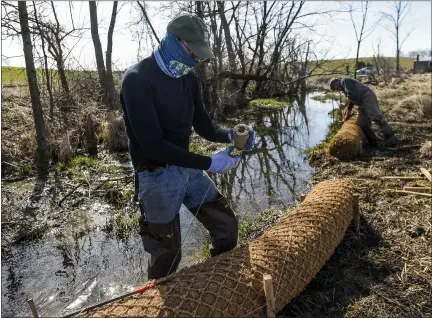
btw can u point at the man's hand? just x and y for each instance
(222, 162)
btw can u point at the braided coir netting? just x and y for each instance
(348, 142)
(230, 285)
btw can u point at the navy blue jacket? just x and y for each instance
(159, 113)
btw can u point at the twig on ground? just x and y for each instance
(69, 194)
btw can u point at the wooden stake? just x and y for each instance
(356, 216)
(402, 177)
(426, 173)
(32, 307)
(302, 197)
(410, 192)
(268, 292)
(418, 189)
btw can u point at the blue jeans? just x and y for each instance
(161, 194)
(163, 190)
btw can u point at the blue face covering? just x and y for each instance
(172, 57)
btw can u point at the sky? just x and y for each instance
(336, 35)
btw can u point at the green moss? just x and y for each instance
(111, 168)
(262, 129)
(124, 222)
(25, 170)
(326, 97)
(203, 147)
(250, 228)
(83, 162)
(268, 104)
(117, 195)
(205, 253)
(81, 167)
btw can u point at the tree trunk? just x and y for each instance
(45, 57)
(228, 41)
(91, 136)
(144, 12)
(228, 38)
(59, 56)
(99, 55)
(201, 68)
(357, 58)
(260, 42)
(62, 75)
(42, 151)
(109, 76)
(305, 69)
(397, 51)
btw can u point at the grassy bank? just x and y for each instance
(11, 75)
(340, 64)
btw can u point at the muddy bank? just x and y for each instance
(384, 271)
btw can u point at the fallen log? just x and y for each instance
(348, 141)
(231, 284)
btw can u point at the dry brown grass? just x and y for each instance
(426, 150)
(114, 133)
(66, 130)
(18, 134)
(413, 106)
(64, 149)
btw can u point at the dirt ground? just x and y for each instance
(385, 270)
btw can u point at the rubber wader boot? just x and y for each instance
(365, 124)
(163, 242)
(370, 135)
(390, 138)
(219, 219)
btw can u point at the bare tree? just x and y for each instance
(145, 15)
(361, 32)
(42, 151)
(45, 58)
(400, 11)
(106, 81)
(109, 74)
(382, 64)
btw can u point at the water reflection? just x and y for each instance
(78, 264)
(275, 172)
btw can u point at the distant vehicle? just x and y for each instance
(366, 71)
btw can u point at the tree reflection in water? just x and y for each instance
(275, 172)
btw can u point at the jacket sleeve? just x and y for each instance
(138, 98)
(202, 123)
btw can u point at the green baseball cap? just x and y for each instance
(193, 31)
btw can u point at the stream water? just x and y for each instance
(78, 264)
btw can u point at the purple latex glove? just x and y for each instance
(222, 162)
